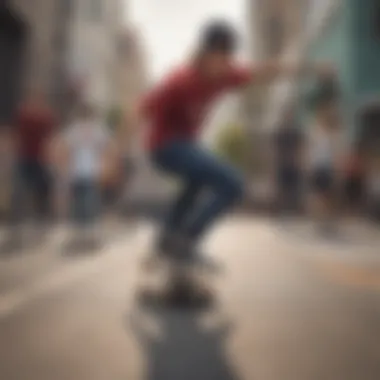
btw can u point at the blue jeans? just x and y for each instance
(211, 187)
(30, 178)
(85, 201)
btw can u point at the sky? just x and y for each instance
(170, 27)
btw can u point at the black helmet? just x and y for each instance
(219, 35)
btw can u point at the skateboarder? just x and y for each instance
(175, 110)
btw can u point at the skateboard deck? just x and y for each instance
(154, 262)
(176, 283)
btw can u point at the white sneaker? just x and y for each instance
(191, 254)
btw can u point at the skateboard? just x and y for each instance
(176, 283)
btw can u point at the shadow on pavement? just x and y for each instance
(10, 247)
(182, 347)
(339, 236)
(17, 244)
(74, 247)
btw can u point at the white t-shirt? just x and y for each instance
(324, 148)
(87, 141)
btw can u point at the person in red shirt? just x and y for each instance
(175, 110)
(32, 131)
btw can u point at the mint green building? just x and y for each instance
(349, 35)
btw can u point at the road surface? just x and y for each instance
(292, 306)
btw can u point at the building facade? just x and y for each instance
(283, 25)
(30, 49)
(274, 33)
(92, 54)
(348, 33)
(66, 49)
(132, 70)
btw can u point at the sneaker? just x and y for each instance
(11, 244)
(176, 247)
(191, 254)
(166, 245)
(184, 250)
(163, 248)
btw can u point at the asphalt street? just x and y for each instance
(291, 306)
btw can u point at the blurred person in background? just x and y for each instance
(111, 178)
(325, 148)
(288, 142)
(175, 110)
(111, 174)
(85, 148)
(6, 161)
(373, 188)
(32, 131)
(129, 147)
(354, 180)
(120, 170)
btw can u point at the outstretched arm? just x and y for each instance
(270, 70)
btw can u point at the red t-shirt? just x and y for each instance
(354, 166)
(32, 131)
(176, 108)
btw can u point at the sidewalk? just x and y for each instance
(281, 316)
